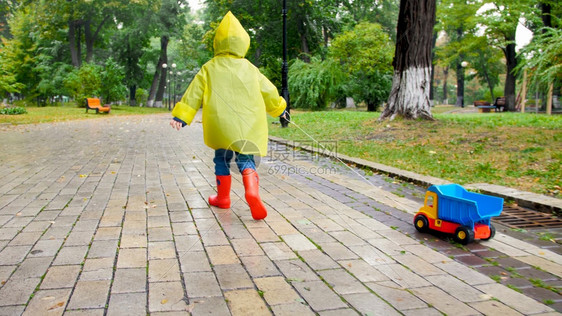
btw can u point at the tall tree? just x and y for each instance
(501, 22)
(457, 20)
(168, 21)
(409, 96)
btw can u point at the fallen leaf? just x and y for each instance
(18, 214)
(164, 301)
(59, 304)
(83, 175)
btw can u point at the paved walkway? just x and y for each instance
(109, 216)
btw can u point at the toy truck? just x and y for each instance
(452, 209)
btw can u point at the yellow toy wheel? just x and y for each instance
(421, 223)
(464, 235)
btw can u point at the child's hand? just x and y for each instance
(175, 124)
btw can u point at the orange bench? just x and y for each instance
(95, 104)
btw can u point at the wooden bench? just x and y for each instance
(95, 104)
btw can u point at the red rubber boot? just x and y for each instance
(251, 184)
(222, 199)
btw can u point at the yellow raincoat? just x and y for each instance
(234, 94)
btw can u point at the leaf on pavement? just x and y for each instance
(57, 305)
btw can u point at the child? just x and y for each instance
(235, 97)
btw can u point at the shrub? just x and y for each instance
(141, 97)
(84, 82)
(313, 85)
(365, 54)
(13, 110)
(112, 87)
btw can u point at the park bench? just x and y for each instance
(483, 106)
(500, 104)
(95, 104)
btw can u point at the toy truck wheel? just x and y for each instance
(464, 235)
(492, 232)
(421, 223)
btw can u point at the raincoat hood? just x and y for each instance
(231, 38)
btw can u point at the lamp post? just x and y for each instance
(172, 88)
(164, 66)
(285, 67)
(175, 86)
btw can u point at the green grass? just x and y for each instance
(71, 112)
(522, 151)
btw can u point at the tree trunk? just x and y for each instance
(445, 78)
(162, 84)
(158, 73)
(72, 42)
(91, 38)
(152, 91)
(132, 95)
(409, 96)
(460, 83)
(546, 10)
(89, 41)
(511, 61)
(305, 50)
(431, 85)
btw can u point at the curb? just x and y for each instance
(531, 200)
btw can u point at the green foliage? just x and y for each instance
(18, 53)
(313, 85)
(365, 54)
(13, 110)
(112, 87)
(543, 56)
(141, 97)
(84, 82)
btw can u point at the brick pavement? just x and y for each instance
(109, 216)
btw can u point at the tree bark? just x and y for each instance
(546, 10)
(409, 96)
(431, 84)
(305, 50)
(152, 91)
(163, 75)
(74, 43)
(445, 78)
(91, 38)
(132, 95)
(460, 83)
(511, 62)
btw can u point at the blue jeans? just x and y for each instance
(222, 161)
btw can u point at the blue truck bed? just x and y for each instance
(456, 204)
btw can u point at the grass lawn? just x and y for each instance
(522, 151)
(71, 112)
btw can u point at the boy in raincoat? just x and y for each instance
(235, 97)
